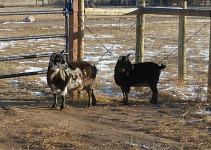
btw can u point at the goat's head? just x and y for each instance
(124, 65)
(57, 59)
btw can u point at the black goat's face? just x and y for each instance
(56, 59)
(124, 64)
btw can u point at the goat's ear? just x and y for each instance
(53, 56)
(62, 51)
(128, 55)
(120, 58)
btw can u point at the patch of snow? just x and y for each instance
(6, 29)
(195, 121)
(5, 23)
(6, 44)
(38, 93)
(206, 111)
(43, 79)
(109, 25)
(27, 62)
(43, 61)
(99, 36)
(205, 54)
(58, 27)
(14, 82)
(34, 69)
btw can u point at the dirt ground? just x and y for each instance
(29, 122)
(170, 124)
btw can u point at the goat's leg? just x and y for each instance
(63, 94)
(89, 99)
(123, 100)
(90, 95)
(88, 90)
(123, 94)
(154, 98)
(126, 102)
(63, 102)
(125, 91)
(55, 100)
(93, 98)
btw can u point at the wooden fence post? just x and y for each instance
(67, 28)
(182, 45)
(140, 26)
(72, 34)
(81, 29)
(209, 70)
(73, 28)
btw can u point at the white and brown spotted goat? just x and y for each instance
(64, 77)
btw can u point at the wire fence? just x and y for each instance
(106, 38)
(161, 45)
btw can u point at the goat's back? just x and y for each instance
(144, 73)
(89, 70)
(147, 67)
(145, 70)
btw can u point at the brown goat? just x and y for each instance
(70, 76)
(128, 75)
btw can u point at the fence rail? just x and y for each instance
(32, 12)
(171, 11)
(25, 57)
(32, 37)
(22, 74)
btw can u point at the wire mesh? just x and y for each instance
(106, 38)
(161, 42)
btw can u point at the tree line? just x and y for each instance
(148, 2)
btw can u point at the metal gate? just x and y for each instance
(28, 38)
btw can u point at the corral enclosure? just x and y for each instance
(181, 120)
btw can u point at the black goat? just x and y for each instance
(127, 74)
(70, 76)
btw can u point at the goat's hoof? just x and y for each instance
(153, 101)
(88, 105)
(54, 106)
(62, 107)
(94, 103)
(125, 103)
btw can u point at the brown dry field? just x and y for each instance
(27, 121)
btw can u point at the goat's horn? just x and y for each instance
(128, 55)
(62, 51)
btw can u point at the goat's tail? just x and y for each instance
(162, 66)
(94, 72)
